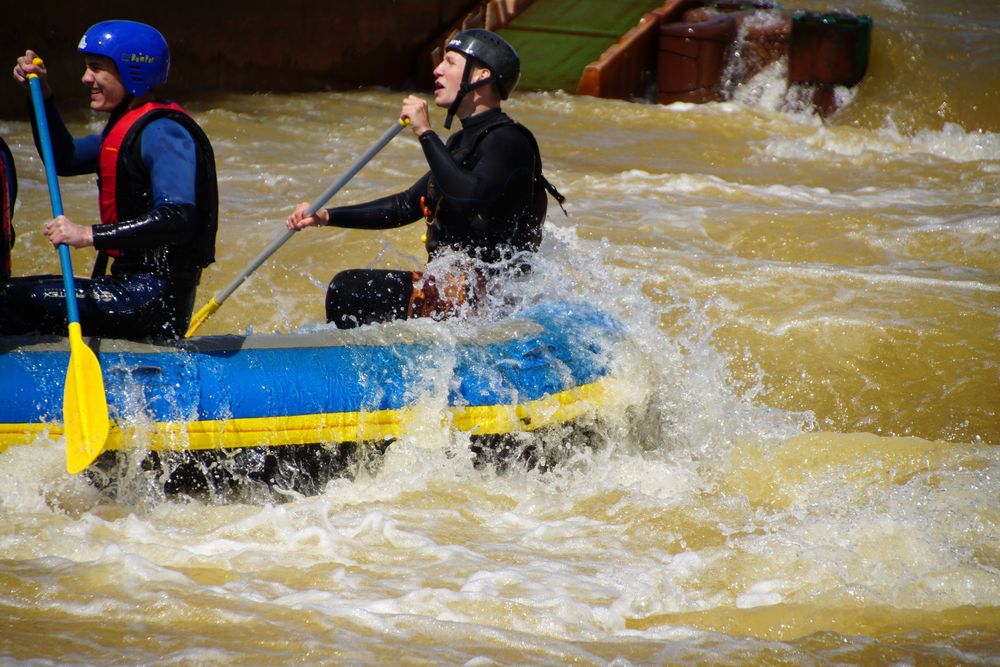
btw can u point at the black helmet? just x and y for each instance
(493, 52)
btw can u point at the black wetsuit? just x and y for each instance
(487, 198)
(162, 236)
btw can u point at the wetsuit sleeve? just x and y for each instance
(166, 224)
(72, 156)
(505, 154)
(169, 153)
(383, 213)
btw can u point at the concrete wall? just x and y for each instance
(244, 45)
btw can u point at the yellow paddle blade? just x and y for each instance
(203, 314)
(85, 407)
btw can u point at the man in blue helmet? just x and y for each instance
(484, 197)
(157, 193)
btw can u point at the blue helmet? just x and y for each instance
(139, 51)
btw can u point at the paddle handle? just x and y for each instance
(85, 404)
(315, 206)
(55, 198)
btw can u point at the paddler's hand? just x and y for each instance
(25, 66)
(415, 110)
(299, 220)
(63, 230)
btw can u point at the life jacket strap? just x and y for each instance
(100, 264)
(551, 189)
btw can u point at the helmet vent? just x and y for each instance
(135, 74)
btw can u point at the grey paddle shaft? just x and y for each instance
(315, 206)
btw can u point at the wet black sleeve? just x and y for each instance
(383, 213)
(164, 225)
(503, 156)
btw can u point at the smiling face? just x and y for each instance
(106, 88)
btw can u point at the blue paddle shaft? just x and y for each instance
(55, 198)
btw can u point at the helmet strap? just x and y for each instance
(464, 89)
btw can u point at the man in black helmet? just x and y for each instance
(484, 198)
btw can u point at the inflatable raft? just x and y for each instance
(548, 365)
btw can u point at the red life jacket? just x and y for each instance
(111, 146)
(8, 192)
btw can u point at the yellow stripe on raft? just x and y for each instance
(336, 427)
